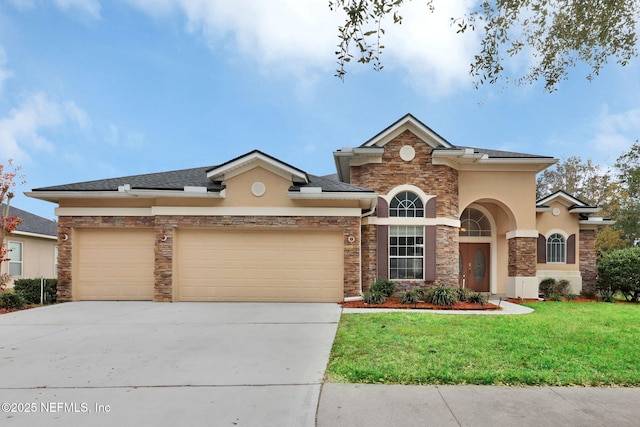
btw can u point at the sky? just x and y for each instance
(93, 89)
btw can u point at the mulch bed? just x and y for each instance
(394, 302)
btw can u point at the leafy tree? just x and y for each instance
(610, 239)
(555, 35)
(628, 219)
(583, 180)
(8, 223)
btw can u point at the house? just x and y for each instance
(33, 247)
(406, 205)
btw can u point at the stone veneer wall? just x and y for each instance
(437, 180)
(447, 256)
(588, 268)
(369, 256)
(164, 225)
(522, 257)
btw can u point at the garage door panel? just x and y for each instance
(114, 264)
(260, 265)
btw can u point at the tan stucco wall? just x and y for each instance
(567, 224)
(37, 257)
(515, 190)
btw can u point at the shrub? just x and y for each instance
(410, 297)
(562, 288)
(619, 271)
(463, 294)
(10, 300)
(554, 297)
(549, 287)
(383, 286)
(477, 298)
(29, 289)
(571, 297)
(442, 295)
(607, 296)
(374, 297)
(546, 286)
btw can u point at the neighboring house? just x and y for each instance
(406, 205)
(33, 247)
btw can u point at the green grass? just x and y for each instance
(586, 344)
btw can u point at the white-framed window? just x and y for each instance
(406, 252)
(406, 204)
(556, 249)
(15, 258)
(474, 223)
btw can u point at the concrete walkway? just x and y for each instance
(369, 405)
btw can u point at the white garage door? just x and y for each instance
(113, 264)
(260, 265)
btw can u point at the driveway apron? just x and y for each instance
(144, 363)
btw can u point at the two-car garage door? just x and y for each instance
(259, 265)
(211, 265)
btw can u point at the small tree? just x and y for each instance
(619, 271)
(8, 223)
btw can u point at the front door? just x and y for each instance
(474, 266)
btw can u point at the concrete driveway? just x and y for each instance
(144, 363)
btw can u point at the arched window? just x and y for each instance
(406, 205)
(474, 223)
(556, 249)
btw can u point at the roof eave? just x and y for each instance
(55, 196)
(30, 234)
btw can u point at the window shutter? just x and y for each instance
(571, 249)
(383, 208)
(542, 249)
(430, 208)
(383, 251)
(430, 253)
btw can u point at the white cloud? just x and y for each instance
(299, 38)
(22, 129)
(615, 132)
(90, 7)
(428, 48)
(4, 72)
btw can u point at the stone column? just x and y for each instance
(447, 256)
(522, 281)
(588, 254)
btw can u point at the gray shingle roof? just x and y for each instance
(330, 185)
(177, 180)
(497, 154)
(172, 180)
(33, 223)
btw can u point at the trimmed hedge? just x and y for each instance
(29, 290)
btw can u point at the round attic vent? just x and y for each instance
(258, 189)
(407, 153)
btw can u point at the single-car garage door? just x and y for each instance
(259, 265)
(113, 264)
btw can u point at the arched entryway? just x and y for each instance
(477, 243)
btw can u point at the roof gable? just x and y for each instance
(254, 159)
(412, 124)
(564, 198)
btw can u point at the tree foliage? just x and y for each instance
(628, 218)
(619, 271)
(583, 180)
(553, 35)
(8, 223)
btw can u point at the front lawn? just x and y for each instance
(559, 344)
